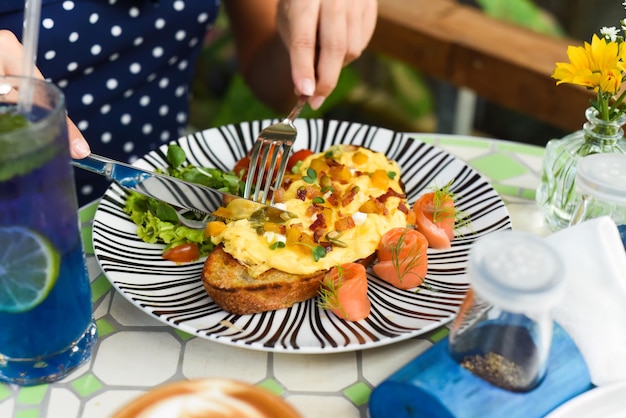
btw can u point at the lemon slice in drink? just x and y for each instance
(29, 267)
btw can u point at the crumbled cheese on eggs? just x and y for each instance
(359, 217)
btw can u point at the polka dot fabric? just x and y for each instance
(125, 66)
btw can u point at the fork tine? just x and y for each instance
(276, 140)
(252, 168)
(261, 189)
(286, 149)
(275, 148)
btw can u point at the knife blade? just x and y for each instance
(172, 190)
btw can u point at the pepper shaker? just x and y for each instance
(503, 330)
(601, 182)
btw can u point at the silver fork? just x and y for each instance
(272, 142)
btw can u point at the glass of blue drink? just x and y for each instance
(46, 321)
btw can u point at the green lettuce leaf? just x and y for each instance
(157, 221)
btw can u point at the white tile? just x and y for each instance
(466, 153)
(533, 161)
(137, 358)
(101, 308)
(78, 372)
(527, 180)
(7, 407)
(204, 358)
(63, 404)
(311, 372)
(323, 406)
(380, 363)
(102, 406)
(93, 268)
(128, 314)
(527, 217)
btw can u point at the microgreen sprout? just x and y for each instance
(333, 238)
(277, 244)
(311, 176)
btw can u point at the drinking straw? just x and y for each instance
(30, 38)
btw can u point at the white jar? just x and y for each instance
(503, 330)
(601, 184)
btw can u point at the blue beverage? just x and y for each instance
(44, 342)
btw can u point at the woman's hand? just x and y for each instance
(10, 62)
(322, 36)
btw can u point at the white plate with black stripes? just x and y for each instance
(173, 293)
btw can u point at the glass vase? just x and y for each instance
(556, 194)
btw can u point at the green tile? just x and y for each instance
(31, 395)
(466, 142)
(439, 334)
(359, 393)
(87, 234)
(87, 213)
(499, 167)
(506, 190)
(86, 385)
(104, 327)
(519, 148)
(529, 194)
(27, 413)
(272, 386)
(184, 335)
(5, 393)
(99, 287)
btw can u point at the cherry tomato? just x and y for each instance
(298, 156)
(183, 253)
(242, 166)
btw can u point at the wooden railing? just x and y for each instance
(505, 64)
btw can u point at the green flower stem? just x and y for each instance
(618, 102)
(604, 104)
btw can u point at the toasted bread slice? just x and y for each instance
(227, 282)
(231, 288)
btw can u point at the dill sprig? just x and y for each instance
(441, 212)
(329, 292)
(411, 260)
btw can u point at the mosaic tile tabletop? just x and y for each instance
(135, 352)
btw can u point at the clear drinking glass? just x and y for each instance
(46, 323)
(556, 194)
(601, 186)
(503, 331)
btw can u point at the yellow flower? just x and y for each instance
(621, 64)
(589, 65)
(600, 66)
(611, 81)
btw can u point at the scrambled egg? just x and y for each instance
(345, 199)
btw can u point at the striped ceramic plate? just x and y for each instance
(174, 293)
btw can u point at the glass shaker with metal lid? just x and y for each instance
(601, 183)
(503, 330)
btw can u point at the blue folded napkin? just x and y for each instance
(433, 385)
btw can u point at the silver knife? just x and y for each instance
(176, 192)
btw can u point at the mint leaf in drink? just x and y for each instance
(24, 151)
(11, 122)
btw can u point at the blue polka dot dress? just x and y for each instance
(125, 67)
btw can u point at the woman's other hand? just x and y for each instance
(322, 36)
(10, 62)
